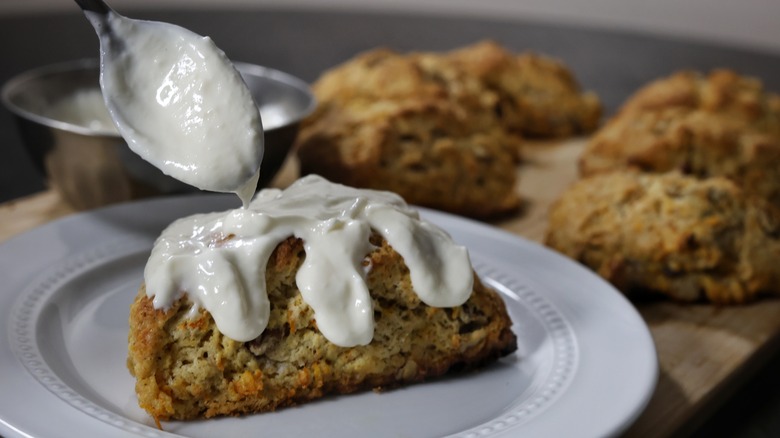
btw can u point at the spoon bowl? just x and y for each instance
(178, 101)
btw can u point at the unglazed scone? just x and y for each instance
(687, 238)
(538, 96)
(722, 124)
(435, 127)
(194, 355)
(526, 93)
(396, 122)
(721, 91)
(424, 151)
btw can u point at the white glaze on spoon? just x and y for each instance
(179, 103)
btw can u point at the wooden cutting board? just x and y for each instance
(705, 352)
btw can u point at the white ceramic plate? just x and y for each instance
(585, 365)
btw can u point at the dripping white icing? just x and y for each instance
(227, 277)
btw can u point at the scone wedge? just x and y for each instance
(686, 238)
(185, 368)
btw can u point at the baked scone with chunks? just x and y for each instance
(424, 151)
(721, 91)
(392, 122)
(687, 238)
(529, 94)
(203, 355)
(719, 125)
(696, 143)
(383, 74)
(433, 129)
(538, 96)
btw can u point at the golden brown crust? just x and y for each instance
(186, 369)
(422, 151)
(538, 95)
(719, 125)
(527, 94)
(722, 91)
(687, 238)
(693, 142)
(435, 129)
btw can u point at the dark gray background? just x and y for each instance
(305, 43)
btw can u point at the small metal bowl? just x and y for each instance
(93, 166)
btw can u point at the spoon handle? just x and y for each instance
(96, 6)
(99, 14)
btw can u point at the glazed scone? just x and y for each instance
(186, 368)
(316, 289)
(672, 234)
(722, 124)
(433, 129)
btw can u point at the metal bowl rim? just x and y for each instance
(11, 87)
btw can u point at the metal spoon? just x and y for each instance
(178, 101)
(97, 12)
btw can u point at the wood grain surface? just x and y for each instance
(705, 352)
